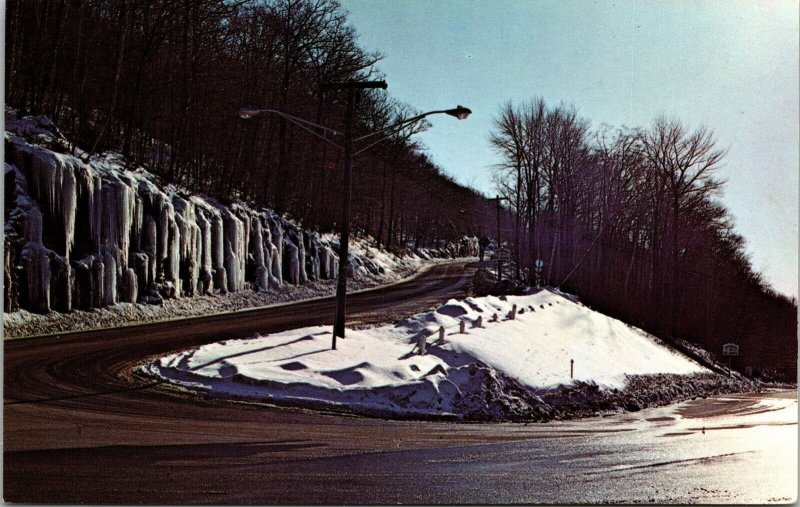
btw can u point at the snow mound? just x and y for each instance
(523, 350)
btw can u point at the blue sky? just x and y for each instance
(729, 65)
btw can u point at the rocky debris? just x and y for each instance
(505, 399)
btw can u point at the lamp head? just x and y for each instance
(459, 112)
(248, 112)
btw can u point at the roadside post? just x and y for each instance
(441, 335)
(538, 266)
(571, 367)
(462, 325)
(421, 343)
(503, 255)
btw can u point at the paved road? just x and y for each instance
(80, 427)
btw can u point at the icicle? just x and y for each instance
(173, 257)
(32, 224)
(334, 265)
(257, 243)
(197, 286)
(205, 281)
(69, 200)
(217, 245)
(235, 254)
(245, 217)
(109, 279)
(276, 234)
(98, 282)
(189, 232)
(301, 258)
(118, 209)
(141, 266)
(36, 262)
(130, 287)
(97, 212)
(137, 223)
(149, 246)
(272, 261)
(127, 205)
(290, 262)
(46, 176)
(165, 219)
(232, 267)
(257, 252)
(277, 269)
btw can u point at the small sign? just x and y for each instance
(730, 349)
(503, 254)
(538, 265)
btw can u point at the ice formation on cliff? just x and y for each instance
(91, 234)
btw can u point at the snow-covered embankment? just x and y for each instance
(510, 368)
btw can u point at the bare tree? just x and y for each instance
(685, 163)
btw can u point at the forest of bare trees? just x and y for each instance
(631, 220)
(162, 81)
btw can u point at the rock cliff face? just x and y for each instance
(85, 235)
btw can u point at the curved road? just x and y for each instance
(80, 426)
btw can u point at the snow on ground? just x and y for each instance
(377, 370)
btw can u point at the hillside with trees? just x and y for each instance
(631, 220)
(163, 81)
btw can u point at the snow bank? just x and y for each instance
(379, 370)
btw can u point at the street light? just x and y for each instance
(353, 88)
(459, 112)
(249, 112)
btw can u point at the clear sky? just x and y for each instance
(729, 65)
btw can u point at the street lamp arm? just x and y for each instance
(459, 112)
(249, 112)
(397, 126)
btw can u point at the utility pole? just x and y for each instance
(497, 200)
(353, 91)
